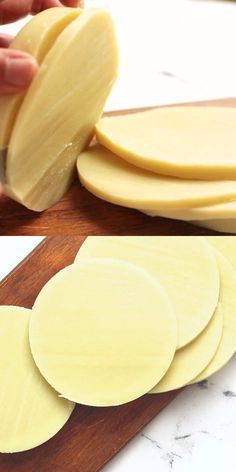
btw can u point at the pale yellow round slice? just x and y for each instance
(227, 346)
(111, 178)
(223, 226)
(192, 142)
(178, 264)
(219, 211)
(57, 117)
(31, 412)
(226, 245)
(35, 38)
(189, 361)
(103, 332)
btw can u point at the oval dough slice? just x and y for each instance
(31, 412)
(223, 226)
(36, 38)
(220, 211)
(109, 177)
(57, 118)
(189, 361)
(227, 346)
(102, 332)
(177, 262)
(187, 142)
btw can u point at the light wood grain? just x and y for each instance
(79, 212)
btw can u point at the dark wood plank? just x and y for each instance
(79, 212)
(92, 435)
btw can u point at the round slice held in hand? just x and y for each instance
(227, 346)
(112, 179)
(178, 264)
(192, 142)
(31, 412)
(189, 361)
(103, 332)
(61, 107)
(35, 38)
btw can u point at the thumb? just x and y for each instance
(17, 70)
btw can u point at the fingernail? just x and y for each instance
(19, 72)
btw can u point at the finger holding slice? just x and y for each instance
(57, 117)
(35, 38)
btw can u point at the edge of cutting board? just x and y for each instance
(80, 212)
(92, 436)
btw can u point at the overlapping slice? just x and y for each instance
(223, 225)
(57, 118)
(185, 266)
(31, 412)
(35, 38)
(219, 211)
(226, 245)
(189, 361)
(227, 346)
(192, 142)
(103, 332)
(109, 177)
(186, 142)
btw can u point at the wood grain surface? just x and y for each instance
(79, 212)
(92, 435)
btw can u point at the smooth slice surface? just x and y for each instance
(226, 245)
(31, 412)
(102, 332)
(189, 361)
(219, 211)
(223, 226)
(57, 118)
(109, 177)
(192, 142)
(227, 346)
(178, 264)
(35, 38)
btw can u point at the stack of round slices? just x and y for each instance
(132, 315)
(174, 162)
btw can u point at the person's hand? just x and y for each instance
(17, 68)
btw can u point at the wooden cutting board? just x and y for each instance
(79, 212)
(92, 435)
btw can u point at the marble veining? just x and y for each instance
(229, 394)
(195, 432)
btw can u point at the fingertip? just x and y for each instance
(5, 40)
(19, 71)
(73, 3)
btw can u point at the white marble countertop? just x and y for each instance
(195, 433)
